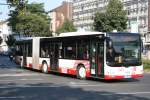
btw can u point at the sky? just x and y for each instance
(48, 5)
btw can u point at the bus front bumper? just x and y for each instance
(110, 77)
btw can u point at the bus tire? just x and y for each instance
(81, 72)
(44, 68)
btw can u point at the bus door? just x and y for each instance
(97, 59)
(24, 55)
(54, 56)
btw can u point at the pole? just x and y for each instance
(68, 8)
(138, 15)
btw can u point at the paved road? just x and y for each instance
(23, 84)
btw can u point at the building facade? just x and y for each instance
(59, 15)
(147, 35)
(137, 12)
(5, 30)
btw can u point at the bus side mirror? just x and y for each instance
(109, 42)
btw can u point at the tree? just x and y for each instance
(102, 22)
(17, 4)
(10, 40)
(114, 18)
(31, 21)
(66, 27)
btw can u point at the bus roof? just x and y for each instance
(79, 34)
(76, 34)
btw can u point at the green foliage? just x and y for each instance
(10, 40)
(102, 22)
(113, 19)
(36, 8)
(32, 21)
(146, 64)
(66, 27)
(17, 3)
(13, 2)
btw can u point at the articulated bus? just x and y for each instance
(84, 54)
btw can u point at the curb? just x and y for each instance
(147, 71)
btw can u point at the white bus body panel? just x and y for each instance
(29, 61)
(123, 72)
(65, 65)
(35, 52)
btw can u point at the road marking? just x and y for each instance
(21, 80)
(126, 93)
(134, 93)
(54, 86)
(78, 83)
(31, 79)
(87, 85)
(19, 74)
(16, 97)
(14, 70)
(28, 86)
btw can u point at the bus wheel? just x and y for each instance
(44, 68)
(81, 72)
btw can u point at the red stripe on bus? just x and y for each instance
(30, 65)
(67, 71)
(71, 71)
(137, 76)
(49, 68)
(88, 73)
(59, 70)
(109, 77)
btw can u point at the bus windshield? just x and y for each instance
(126, 50)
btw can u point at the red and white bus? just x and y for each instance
(84, 54)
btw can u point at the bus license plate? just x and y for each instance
(127, 76)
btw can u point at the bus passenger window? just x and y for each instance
(60, 51)
(83, 51)
(70, 51)
(44, 50)
(43, 53)
(110, 55)
(19, 50)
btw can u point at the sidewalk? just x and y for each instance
(147, 71)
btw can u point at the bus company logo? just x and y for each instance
(121, 69)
